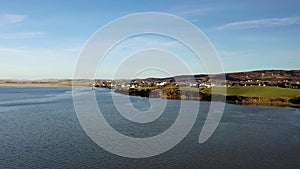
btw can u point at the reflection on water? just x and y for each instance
(39, 129)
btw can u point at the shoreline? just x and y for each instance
(38, 85)
(175, 94)
(231, 99)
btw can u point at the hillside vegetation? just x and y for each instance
(252, 91)
(248, 95)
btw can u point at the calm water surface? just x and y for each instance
(39, 129)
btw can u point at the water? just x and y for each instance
(39, 129)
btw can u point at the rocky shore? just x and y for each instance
(175, 93)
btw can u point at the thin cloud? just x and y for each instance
(191, 12)
(6, 19)
(22, 35)
(269, 22)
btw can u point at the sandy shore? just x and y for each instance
(37, 85)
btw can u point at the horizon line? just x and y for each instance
(255, 70)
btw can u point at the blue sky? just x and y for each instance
(42, 39)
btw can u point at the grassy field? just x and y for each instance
(253, 91)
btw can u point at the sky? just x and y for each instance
(43, 39)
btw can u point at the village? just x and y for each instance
(263, 78)
(274, 78)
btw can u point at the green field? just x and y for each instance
(253, 91)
